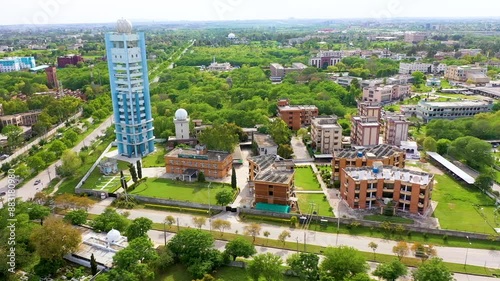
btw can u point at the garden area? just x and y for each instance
(195, 192)
(110, 183)
(322, 208)
(391, 219)
(305, 179)
(474, 209)
(157, 158)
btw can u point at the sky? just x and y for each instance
(106, 11)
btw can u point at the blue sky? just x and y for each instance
(99, 11)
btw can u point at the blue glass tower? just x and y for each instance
(128, 76)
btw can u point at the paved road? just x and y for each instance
(29, 189)
(157, 78)
(299, 149)
(158, 238)
(455, 255)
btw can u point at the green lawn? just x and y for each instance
(155, 159)
(98, 181)
(322, 205)
(457, 207)
(393, 219)
(305, 179)
(327, 168)
(181, 191)
(179, 273)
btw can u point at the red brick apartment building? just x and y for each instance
(272, 179)
(296, 116)
(374, 187)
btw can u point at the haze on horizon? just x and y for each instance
(105, 11)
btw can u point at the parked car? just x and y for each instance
(37, 182)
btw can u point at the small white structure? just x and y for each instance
(113, 236)
(108, 166)
(231, 36)
(411, 149)
(181, 121)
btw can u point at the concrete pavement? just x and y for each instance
(299, 149)
(486, 258)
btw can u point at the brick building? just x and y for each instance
(296, 116)
(69, 59)
(272, 180)
(376, 186)
(22, 119)
(51, 73)
(189, 162)
(326, 134)
(395, 129)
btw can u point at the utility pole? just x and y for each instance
(209, 208)
(467, 251)
(164, 233)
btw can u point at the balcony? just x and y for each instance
(388, 189)
(371, 189)
(371, 198)
(405, 192)
(356, 199)
(421, 196)
(356, 191)
(404, 201)
(420, 205)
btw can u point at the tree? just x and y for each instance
(14, 135)
(280, 132)
(233, 179)
(139, 169)
(302, 132)
(201, 177)
(240, 247)
(401, 249)
(341, 263)
(475, 152)
(139, 228)
(423, 251)
(224, 197)
(221, 225)
(93, 265)
(266, 234)
(70, 163)
(432, 270)
(430, 144)
(219, 137)
(305, 265)
(293, 221)
(285, 151)
(135, 262)
(253, 230)
(485, 180)
(76, 217)
(442, 146)
(266, 265)
(133, 172)
(199, 221)
(374, 247)
(55, 239)
(38, 212)
(418, 78)
(58, 147)
(169, 220)
(123, 182)
(283, 236)
(71, 136)
(390, 271)
(108, 220)
(36, 163)
(165, 259)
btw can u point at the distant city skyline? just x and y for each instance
(99, 11)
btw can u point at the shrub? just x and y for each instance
(425, 235)
(445, 237)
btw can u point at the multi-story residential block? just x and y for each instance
(428, 111)
(188, 163)
(370, 109)
(326, 134)
(296, 116)
(27, 119)
(72, 59)
(395, 129)
(11, 64)
(476, 75)
(215, 66)
(378, 94)
(365, 131)
(265, 144)
(278, 71)
(346, 81)
(272, 180)
(128, 76)
(352, 157)
(469, 52)
(325, 59)
(414, 37)
(400, 91)
(375, 187)
(427, 68)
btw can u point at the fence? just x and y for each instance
(175, 203)
(92, 168)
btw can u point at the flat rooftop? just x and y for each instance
(263, 140)
(455, 103)
(452, 167)
(273, 168)
(378, 151)
(210, 155)
(388, 173)
(275, 176)
(298, 107)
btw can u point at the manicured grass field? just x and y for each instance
(392, 219)
(305, 179)
(322, 205)
(179, 273)
(155, 159)
(98, 181)
(456, 209)
(182, 191)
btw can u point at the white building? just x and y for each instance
(181, 121)
(265, 144)
(428, 111)
(395, 129)
(326, 134)
(427, 68)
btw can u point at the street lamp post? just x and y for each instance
(165, 232)
(338, 222)
(297, 243)
(467, 251)
(209, 208)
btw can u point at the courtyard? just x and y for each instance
(109, 183)
(322, 207)
(305, 179)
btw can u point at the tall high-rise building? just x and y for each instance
(128, 76)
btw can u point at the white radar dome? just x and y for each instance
(181, 114)
(113, 236)
(123, 26)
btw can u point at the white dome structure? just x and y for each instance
(181, 114)
(231, 36)
(113, 236)
(123, 26)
